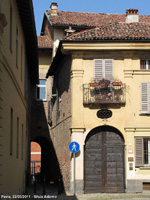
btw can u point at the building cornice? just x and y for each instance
(26, 13)
(68, 46)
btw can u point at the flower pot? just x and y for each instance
(103, 84)
(117, 83)
(93, 84)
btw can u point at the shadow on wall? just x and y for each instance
(50, 171)
(62, 78)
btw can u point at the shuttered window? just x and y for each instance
(103, 69)
(145, 98)
(145, 64)
(139, 151)
(142, 151)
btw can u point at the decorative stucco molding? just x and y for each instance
(137, 129)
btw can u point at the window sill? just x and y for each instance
(44, 100)
(145, 114)
(145, 168)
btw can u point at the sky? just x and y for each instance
(97, 6)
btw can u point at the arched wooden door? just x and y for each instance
(104, 163)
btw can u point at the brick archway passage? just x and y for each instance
(49, 164)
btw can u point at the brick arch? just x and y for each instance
(49, 164)
(35, 158)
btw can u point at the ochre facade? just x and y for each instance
(126, 117)
(15, 100)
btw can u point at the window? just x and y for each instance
(17, 149)
(146, 151)
(103, 69)
(50, 106)
(57, 100)
(145, 64)
(41, 90)
(21, 63)
(22, 144)
(145, 97)
(17, 47)
(11, 131)
(142, 150)
(10, 27)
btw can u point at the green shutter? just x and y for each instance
(138, 151)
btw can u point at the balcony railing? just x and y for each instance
(104, 93)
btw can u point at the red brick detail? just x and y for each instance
(132, 12)
(35, 147)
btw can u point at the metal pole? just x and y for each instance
(34, 168)
(74, 174)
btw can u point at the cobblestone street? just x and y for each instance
(51, 193)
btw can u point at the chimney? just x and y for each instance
(132, 15)
(53, 8)
(69, 31)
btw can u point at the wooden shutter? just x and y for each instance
(138, 151)
(145, 97)
(98, 69)
(103, 69)
(108, 69)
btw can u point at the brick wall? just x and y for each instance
(61, 121)
(35, 156)
(48, 30)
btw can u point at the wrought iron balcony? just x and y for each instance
(104, 92)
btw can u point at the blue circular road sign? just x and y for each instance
(74, 147)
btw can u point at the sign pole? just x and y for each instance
(74, 174)
(74, 147)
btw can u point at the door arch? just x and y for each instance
(104, 161)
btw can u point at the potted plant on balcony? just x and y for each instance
(117, 83)
(104, 82)
(93, 84)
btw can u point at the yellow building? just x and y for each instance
(18, 77)
(101, 100)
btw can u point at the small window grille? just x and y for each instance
(104, 114)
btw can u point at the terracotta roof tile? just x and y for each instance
(89, 19)
(44, 42)
(84, 19)
(117, 31)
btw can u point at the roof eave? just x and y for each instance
(49, 49)
(26, 13)
(62, 51)
(57, 59)
(72, 26)
(107, 40)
